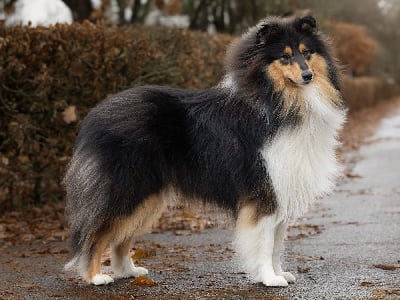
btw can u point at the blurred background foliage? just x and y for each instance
(379, 18)
(51, 76)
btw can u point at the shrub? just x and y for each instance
(51, 77)
(355, 48)
(366, 91)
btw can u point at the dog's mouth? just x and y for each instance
(298, 83)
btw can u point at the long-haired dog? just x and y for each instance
(261, 144)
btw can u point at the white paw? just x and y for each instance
(101, 279)
(132, 272)
(289, 277)
(274, 280)
(124, 268)
(139, 271)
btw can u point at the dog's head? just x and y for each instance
(289, 52)
(293, 52)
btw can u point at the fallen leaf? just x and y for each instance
(298, 236)
(327, 215)
(394, 292)
(142, 253)
(143, 281)
(353, 223)
(106, 263)
(386, 267)
(303, 270)
(26, 285)
(4, 160)
(182, 232)
(69, 114)
(382, 292)
(352, 175)
(366, 283)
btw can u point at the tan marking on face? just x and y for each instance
(281, 75)
(284, 78)
(284, 75)
(302, 47)
(288, 51)
(318, 65)
(320, 69)
(275, 72)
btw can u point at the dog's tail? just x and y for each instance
(71, 264)
(86, 210)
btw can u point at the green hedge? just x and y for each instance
(50, 75)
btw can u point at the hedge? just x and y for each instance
(51, 77)
(360, 92)
(355, 48)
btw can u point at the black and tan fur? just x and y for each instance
(138, 149)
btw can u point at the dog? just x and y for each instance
(261, 145)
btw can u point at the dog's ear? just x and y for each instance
(267, 32)
(306, 24)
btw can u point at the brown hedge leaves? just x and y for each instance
(51, 77)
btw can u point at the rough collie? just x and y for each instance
(260, 144)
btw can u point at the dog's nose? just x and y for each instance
(307, 75)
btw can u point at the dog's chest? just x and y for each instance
(301, 161)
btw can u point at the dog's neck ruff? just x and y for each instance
(300, 159)
(228, 83)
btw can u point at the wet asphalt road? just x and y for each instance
(332, 250)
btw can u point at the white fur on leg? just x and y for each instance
(246, 240)
(266, 246)
(280, 232)
(101, 279)
(255, 246)
(124, 267)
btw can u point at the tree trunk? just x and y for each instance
(81, 9)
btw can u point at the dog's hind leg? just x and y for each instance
(137, 224)
(280, 232)
(122, 263)
(93, 262)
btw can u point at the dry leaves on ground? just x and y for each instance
(34, 223)
(143, 253)
(303, 269)
(143, 281)
(385, 292)
(386, 267)
(303, 231)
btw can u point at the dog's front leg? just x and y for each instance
(254, 242)
(280, 232)
(266, 273)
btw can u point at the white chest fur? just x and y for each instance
(301, 160)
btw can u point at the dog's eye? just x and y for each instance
(306, 54)
(286, 59)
